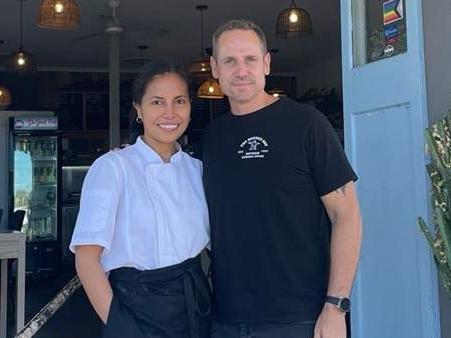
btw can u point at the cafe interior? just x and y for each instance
(66, 72)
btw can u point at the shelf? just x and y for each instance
(39, 209)
(36, 239)
(43, 158)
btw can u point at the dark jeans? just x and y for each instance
(244, 330)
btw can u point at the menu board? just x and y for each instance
(97, 111)
(70, 110)
(90, 110)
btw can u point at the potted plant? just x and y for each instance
(438, 145)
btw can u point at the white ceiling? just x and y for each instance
(169, 28)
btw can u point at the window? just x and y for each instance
(379, 30)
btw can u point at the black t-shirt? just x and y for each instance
(264, 173)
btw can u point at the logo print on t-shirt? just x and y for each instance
(253, 147)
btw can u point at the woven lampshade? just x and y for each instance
(58, 14)
(200, 67)
(5, 96)
(294, 22)
(277, 92)
(22, 62)
(210, 89)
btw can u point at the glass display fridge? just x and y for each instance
(34, 184)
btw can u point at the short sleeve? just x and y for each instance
(98, 206)
(328, 163)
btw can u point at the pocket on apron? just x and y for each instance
(111, 314)
(120, 323)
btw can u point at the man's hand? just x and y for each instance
(331, 323)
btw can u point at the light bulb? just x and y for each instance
(275, 94)
(59, 8)
(1, 92)
(21, 60)
(211, 89)
(294, 17)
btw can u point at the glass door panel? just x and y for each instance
(35, 185)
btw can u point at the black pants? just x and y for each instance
(244, 330)
(172, 302)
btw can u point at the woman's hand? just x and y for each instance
(93, 278)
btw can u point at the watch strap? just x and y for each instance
(342, 303)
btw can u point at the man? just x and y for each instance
(285, 221)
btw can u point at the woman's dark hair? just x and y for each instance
(149, 71)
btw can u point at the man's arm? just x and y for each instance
(343, 209)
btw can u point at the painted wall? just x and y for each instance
(325, 73)
(437, 46)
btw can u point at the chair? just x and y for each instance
(16, 221)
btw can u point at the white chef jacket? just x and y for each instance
(145, 213)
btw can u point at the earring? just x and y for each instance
(139, 120)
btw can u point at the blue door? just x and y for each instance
(395, 292)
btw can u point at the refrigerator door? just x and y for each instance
(35, 185)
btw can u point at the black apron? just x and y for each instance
(171, 302)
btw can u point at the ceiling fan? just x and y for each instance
(112, 23)
(113, 30)
(140, 60)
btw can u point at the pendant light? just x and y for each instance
(277, 92)
(58, 14)
(201, 67)
(21, 61)
(5, 97)
(294, 22)
(210, 89)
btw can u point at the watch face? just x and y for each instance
(345, 304)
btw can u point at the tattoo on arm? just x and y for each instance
(341, 191)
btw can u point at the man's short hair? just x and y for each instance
(238, 24)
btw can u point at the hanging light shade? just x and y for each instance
(201, 66)
(294, 22)
(5, 96)
(21, 61)
(277, 92)
(58, 14)
(210, 89)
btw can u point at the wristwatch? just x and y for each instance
(343, 304)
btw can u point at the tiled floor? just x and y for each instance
(75, 319)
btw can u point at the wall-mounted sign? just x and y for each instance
(35, 123)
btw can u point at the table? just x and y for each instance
(12, 246)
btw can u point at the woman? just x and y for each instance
(143, 219)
